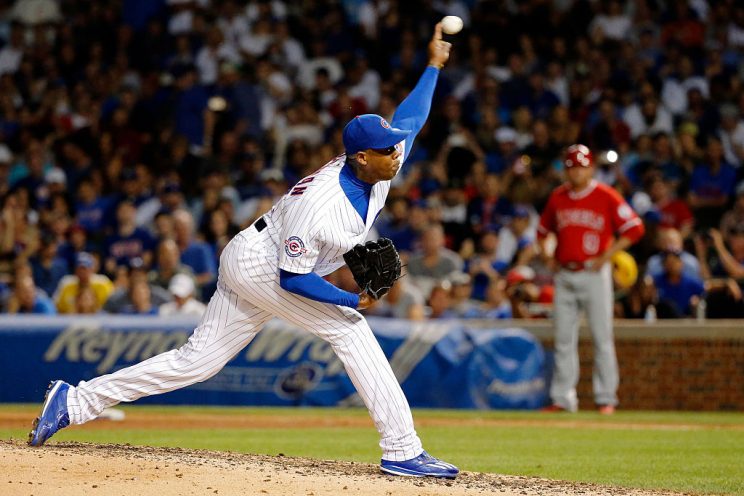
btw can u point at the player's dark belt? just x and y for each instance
(573, 266)
(260, 224)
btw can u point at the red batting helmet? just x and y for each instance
(578, 155)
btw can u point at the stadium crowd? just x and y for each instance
(138, 136)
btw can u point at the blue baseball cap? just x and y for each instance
(371, 131)
(521, 212)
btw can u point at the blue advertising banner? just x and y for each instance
(439, 364)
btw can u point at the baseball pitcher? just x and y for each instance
(274, 268)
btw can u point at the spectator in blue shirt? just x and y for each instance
(194, 253)
(671, 240)
(191, 102)
(462, 290)
(497, 304)
(48, 267)
(395, 225)
(712, 185)
(91, 209)
(490, 208)
(483, 266)
(27, 298)
(679, 290)
(129, 241)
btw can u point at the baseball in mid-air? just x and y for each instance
(451, 24)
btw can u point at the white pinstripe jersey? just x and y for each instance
(314, 224)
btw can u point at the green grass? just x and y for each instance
(690, 452)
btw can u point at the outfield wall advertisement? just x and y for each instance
(440, 365)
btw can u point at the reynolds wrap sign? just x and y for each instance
(439, 365)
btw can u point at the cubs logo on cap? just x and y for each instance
(371, 131)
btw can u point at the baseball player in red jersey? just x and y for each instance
(591, 222)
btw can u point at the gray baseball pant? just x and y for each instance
(591, 292)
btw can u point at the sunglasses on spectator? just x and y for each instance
(676, 253)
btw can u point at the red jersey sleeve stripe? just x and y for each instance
(629, 224)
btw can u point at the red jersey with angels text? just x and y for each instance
(586, 222)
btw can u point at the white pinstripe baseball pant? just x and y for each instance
(248, 294)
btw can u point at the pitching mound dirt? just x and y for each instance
(75, 469)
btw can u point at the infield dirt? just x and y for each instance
(81, 469)
(74, 469)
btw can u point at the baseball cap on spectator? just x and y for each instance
(506, 135)
(521, 212)
(459, 278)
(181, 285)
(491, 228)
(697, 85)
(6, 156)
(520, 273)
(652, 216)
(171, 187)
(370, 131)
(55, 175)
(85, 259)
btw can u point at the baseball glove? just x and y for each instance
(375, 266)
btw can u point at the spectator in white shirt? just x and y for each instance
(613, 25)
(732, 135)
(232, 23)
(648, 117)
(12, 53)
(214, 51)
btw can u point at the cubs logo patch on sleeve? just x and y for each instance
(294, 247)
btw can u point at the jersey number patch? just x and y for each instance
(590, 241)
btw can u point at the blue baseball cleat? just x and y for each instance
(423, 465)
(53, 416)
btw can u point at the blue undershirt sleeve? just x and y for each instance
(414, 110)
(312, 286)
